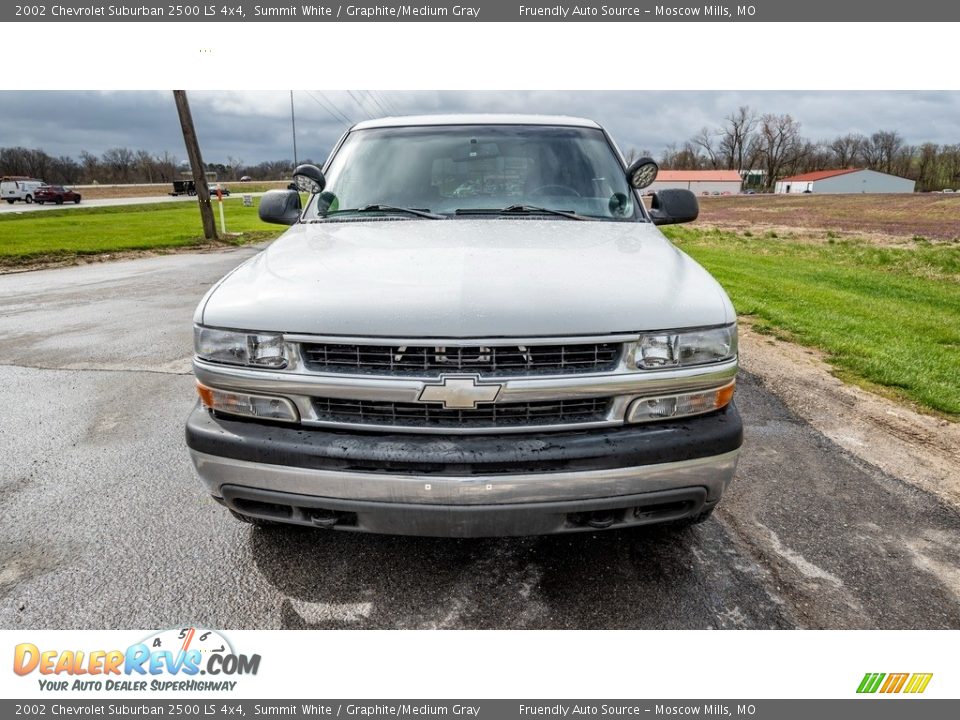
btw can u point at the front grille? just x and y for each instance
(421, 360)
(374, 412)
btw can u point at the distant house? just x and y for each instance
(701, 182)
(850, 180)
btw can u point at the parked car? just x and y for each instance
(412, 358)
(56, 194)
(219, 188)
(246, 178)
(14, 188)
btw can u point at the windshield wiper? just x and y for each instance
(380, 207)
(522, 210)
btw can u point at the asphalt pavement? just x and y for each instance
(104, 525)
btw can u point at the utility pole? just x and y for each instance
(293, 122)
(196, 164)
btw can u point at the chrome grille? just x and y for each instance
(421, 360)
(373, 412)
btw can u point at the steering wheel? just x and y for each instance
(564, 190)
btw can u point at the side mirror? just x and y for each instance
(642, 173)
(309, 179)
(673, 206)
(280, 206)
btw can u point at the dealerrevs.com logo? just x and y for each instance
(910, 683)
(169, 660)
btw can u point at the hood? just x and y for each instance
(467, 278)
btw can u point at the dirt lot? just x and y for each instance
(892, 218)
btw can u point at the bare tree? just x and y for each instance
(706, 141)
(881, 149)
(846, 149)
(235, 165)
(737, 137)
(779, 144)
(119, 162)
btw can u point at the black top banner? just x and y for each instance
(484, 11)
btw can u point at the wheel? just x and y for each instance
(76, 201)
(258, 522)
(40, 202)
(59, 201)
(10, 200)
(28, 199)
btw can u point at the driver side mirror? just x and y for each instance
(673, 206)
(281, 207)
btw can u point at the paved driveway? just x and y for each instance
(103, 524)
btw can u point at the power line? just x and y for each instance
(376, 102)
(388, 101)
(332, 110)
(359, 104)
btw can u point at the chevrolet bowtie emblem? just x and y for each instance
(459, 393)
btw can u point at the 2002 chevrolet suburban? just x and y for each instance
(472, 328)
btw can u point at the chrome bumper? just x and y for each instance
(712, 473)
(473, 506)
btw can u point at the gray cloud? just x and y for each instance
(255, 126)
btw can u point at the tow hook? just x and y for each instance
(601, 520)
(324, 518)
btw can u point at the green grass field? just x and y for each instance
(59, 234)
(886, 317)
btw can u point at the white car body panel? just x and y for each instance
(468, 278)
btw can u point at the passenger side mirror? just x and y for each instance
(642, 173)
(309, 179)
(673, 206)
(280, 206)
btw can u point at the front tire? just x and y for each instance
(10, 200)
(59, 201)
(28, 199)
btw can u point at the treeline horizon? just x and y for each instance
(765, 147)
(122, 166)
(762, 147)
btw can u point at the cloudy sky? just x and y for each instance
(255, 126)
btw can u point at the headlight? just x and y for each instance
(238, 348)
(696, 347)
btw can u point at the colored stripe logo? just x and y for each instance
(913, 683)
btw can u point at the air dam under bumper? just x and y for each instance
(467, 486)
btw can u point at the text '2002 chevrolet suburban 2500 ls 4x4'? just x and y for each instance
(473, 328)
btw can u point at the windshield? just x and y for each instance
(466, 169)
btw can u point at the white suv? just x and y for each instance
(473, 327)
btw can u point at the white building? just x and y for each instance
(851, 180)
(701, 182)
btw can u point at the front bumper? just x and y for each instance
(467, 486)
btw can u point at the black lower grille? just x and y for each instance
(429, 360)
(372, 412)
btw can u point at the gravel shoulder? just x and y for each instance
(918, 448)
